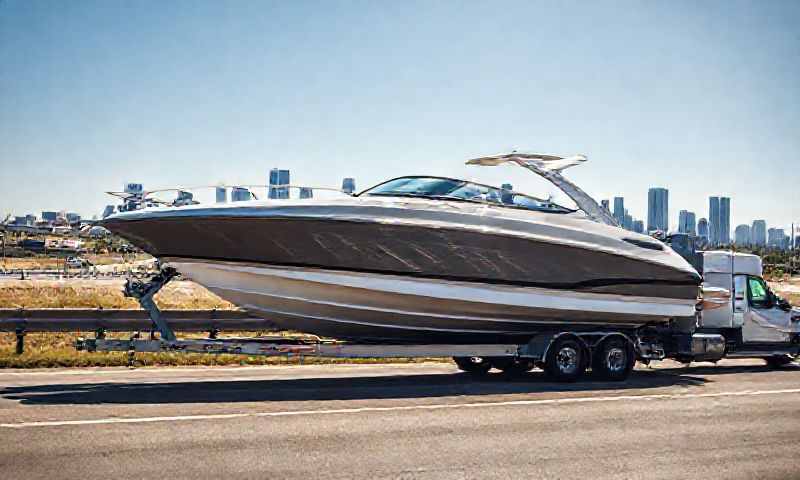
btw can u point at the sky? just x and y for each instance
(700, 97)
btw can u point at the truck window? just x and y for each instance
(757, 291)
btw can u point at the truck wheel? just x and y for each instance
(473, 365)
(778, 361)
(613, 360)
(513, 366)
(565, 361)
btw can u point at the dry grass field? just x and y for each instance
(55, 263)
(57, 349)
(78, 293)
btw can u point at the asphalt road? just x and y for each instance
(735, 420)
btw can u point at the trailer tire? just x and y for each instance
(613, 360)
(565, 360)
(473, 365)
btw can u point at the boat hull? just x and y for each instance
(441, 242)
(391, 308)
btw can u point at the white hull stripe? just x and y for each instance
(463, 291)
(445, 406)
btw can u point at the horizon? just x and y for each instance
(186, 93)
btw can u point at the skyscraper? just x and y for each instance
(506, 193)
(743, 235)
(306, 192)
(627, 224)
(222, 195)
(687, 223)
(277, 181)
(349, 185)
(714, 221)
(724, 220)
(702, 229)
(658, 209)
(240, 194)
(638, 226)
(619, 210)
(776, 238)
(758, 233)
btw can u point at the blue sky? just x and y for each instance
(699, 97)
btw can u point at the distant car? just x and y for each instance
(125, 248)
(78, 262)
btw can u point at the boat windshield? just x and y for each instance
(440, 188)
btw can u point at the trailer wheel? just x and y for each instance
(778, 361)
(565, 360)
(473, 365)
(613, 360)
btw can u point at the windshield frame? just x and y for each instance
(557, 208)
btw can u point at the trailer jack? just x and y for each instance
(144, 292)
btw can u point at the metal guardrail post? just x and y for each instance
(20, 332)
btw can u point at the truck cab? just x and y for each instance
(754, 322)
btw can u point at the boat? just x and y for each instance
(425, 259)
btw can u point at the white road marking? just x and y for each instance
(340, 411)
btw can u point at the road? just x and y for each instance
(416, 421)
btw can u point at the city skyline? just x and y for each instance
(715, 229)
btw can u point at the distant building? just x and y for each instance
(702, 229)
(349, 185)
(606, 205)
(73, 217)
(134, 188)
(714, 222)
(627, 222)
(658, 209)
(30, 219)
(109, 210)
(743, 235)
(221, 194)
(758, 233)
(240, 194)
(506, 193)
(725, 220)
(687, 223)
(278, 184)
(619, 210)
(49, 216)
(19, 221)
(638, 226)
(719, 211)
(306, 192)
(776, 238)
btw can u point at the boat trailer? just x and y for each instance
(564, 355)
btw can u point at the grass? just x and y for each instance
(43, 262)
(77, 293)
(47, 350)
